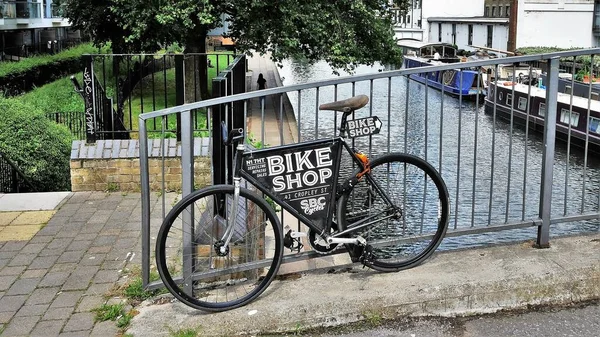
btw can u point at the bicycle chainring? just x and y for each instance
(318, 244)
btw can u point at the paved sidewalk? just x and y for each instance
(50, 282)
(463, 282)
(270, 114)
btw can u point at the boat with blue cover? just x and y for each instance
(466, 82)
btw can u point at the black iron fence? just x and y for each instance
(16, 53)
(12, 180)
(74, 120)
(136, 83)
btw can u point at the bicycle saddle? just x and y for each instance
(346, 105)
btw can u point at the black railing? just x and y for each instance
(16, 53)
(229, 82)
(74, 120)
(12, 180)
(139, 83)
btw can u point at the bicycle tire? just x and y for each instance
(403, 252)
(251, 260)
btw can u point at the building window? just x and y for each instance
(487, 11)
(454, 33)
(500, 10)
(542, 110)
(439, 32)
(490, 36)
(507, 11)
(594, 125)
(509, 99)
(493, 11)
(574, 117)
(408, 19)
(470, 35)
(522, 103)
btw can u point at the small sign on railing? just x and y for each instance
(363, 126)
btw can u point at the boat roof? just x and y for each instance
(580, 102)
(416, 44)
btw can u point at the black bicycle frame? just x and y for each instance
(302, 178)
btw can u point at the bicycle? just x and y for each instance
(221, 246)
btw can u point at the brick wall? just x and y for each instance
(115, 166)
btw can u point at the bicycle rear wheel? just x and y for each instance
(194, 268)
(410, 223)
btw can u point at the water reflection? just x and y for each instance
(492, 170)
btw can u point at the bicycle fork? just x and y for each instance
(231, 217)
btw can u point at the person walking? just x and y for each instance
(262, 84)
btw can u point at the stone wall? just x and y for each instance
(115, 166)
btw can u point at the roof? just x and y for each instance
(473, 19)
(416, 44)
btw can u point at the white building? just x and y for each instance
(560, 23)
(32, 25)
(414, 23)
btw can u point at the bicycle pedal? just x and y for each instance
(367, 255)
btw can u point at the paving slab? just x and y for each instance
(31, 201)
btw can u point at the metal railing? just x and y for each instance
(501, 175)
(12, 180)
(74, 120)
(138, 83)
(16, 53)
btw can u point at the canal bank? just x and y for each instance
(455, 283)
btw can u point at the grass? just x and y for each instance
(60, 96)
(55, 97)
(164, 96)
(9, 67)
(108, 312)
(134, 290)
(188, 332)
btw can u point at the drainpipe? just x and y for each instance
(512, 26)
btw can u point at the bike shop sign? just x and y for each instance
(301, 176)
(363, 126)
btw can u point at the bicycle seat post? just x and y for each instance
(343, 123)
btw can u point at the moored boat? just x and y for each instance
(466, 82)
(577, 118)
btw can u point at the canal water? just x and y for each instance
(492, 169)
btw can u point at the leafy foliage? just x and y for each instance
(344, 33)
(39, 147)
(9, 67)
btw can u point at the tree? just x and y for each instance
(345, 33)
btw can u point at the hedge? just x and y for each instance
(39, 147)
(19, 77)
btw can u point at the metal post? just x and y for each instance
(145, 187)
(543, 236)
(179, 88)
(187, 186)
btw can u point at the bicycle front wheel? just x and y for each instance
(401, 209)
(198, 267)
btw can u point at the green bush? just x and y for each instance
(39, 147)
(10, 67)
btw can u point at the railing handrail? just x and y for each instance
(359, 78)
(20, 173)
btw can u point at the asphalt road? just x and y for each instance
(583, 320)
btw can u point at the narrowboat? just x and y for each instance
(576, 116)
(468, 82)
